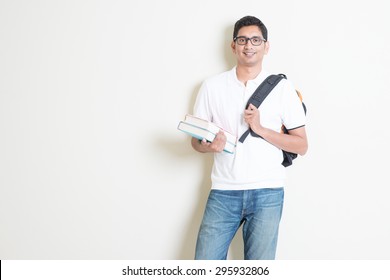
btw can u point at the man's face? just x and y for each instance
(249, 55)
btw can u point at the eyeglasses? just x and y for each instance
(242, 40)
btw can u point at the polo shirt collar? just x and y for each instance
(257, 81)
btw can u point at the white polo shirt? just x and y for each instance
(255, 163)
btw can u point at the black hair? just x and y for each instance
(247, 21)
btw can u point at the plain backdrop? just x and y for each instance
(92, 165)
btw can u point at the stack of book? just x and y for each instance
(203, 129)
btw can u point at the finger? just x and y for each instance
(220, 135)
(250, 114)
(203, 142)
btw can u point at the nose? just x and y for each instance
(247, 41)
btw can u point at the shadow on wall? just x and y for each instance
(187, 250)
(230, 60)
(190, 232)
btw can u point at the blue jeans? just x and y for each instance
(258, 210)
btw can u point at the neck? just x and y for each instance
(244, 74)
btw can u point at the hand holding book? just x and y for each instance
(216, 138)
(217, 145)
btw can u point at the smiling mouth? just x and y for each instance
(249, 53)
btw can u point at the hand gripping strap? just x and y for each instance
(259, 96)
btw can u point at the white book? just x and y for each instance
(203, 129)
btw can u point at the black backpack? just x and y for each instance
(257, 98)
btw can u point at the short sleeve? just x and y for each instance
(202, 104)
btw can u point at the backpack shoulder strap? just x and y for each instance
(260, 95)
(264, 89)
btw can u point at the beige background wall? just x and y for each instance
(91, 92)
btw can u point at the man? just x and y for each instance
(247, 186)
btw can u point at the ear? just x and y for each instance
(266, 47)
(233, 46)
